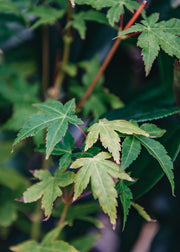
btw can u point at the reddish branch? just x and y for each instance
(109, 56)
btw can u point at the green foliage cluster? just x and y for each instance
(104, 165)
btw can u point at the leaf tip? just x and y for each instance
(46, 218)
(32, 172)
(114, 227)
(20, 199)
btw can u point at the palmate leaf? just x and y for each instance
(110, 139)
(55, 118)
(155, 35)
(45, 15)
(116, 7)
(57, 246)
(18, 91)
(48, 188)
(125, 197)
(100, 171)
(79, 20)
(158, 151)
(48, 244)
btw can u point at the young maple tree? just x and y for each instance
(104, 164)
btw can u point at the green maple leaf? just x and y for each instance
(48, 244)
(79, 20)
(19, 92)
(125, 197)
(116, 7)
(155, 35)
(57, 246)
(110, 139)
(100, 171)
(21, 95)
(46, 15)
(158, 151)
(55, 118)
(48, 189)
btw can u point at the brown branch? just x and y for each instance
(109, 57)
(54, 91)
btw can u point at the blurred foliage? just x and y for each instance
(122, 92)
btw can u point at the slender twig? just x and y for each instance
(36, 222)
(81, 130)
(67, 44)
(121, 22)
(45, 59)
(135, 16)
(83, 195)
(68, 201)
(63, 215)
(109, 57)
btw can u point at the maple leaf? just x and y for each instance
(19, 92)
(21, 95)
(45, 15)
(108, 135)
(55, 118)
(155, 35)
(48, 188)
(116, 7)
(100, 171)
(48, 244)
(79, 20)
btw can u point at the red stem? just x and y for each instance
(83, 196)
(135, 16)
(121, 22)
(81, 130)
